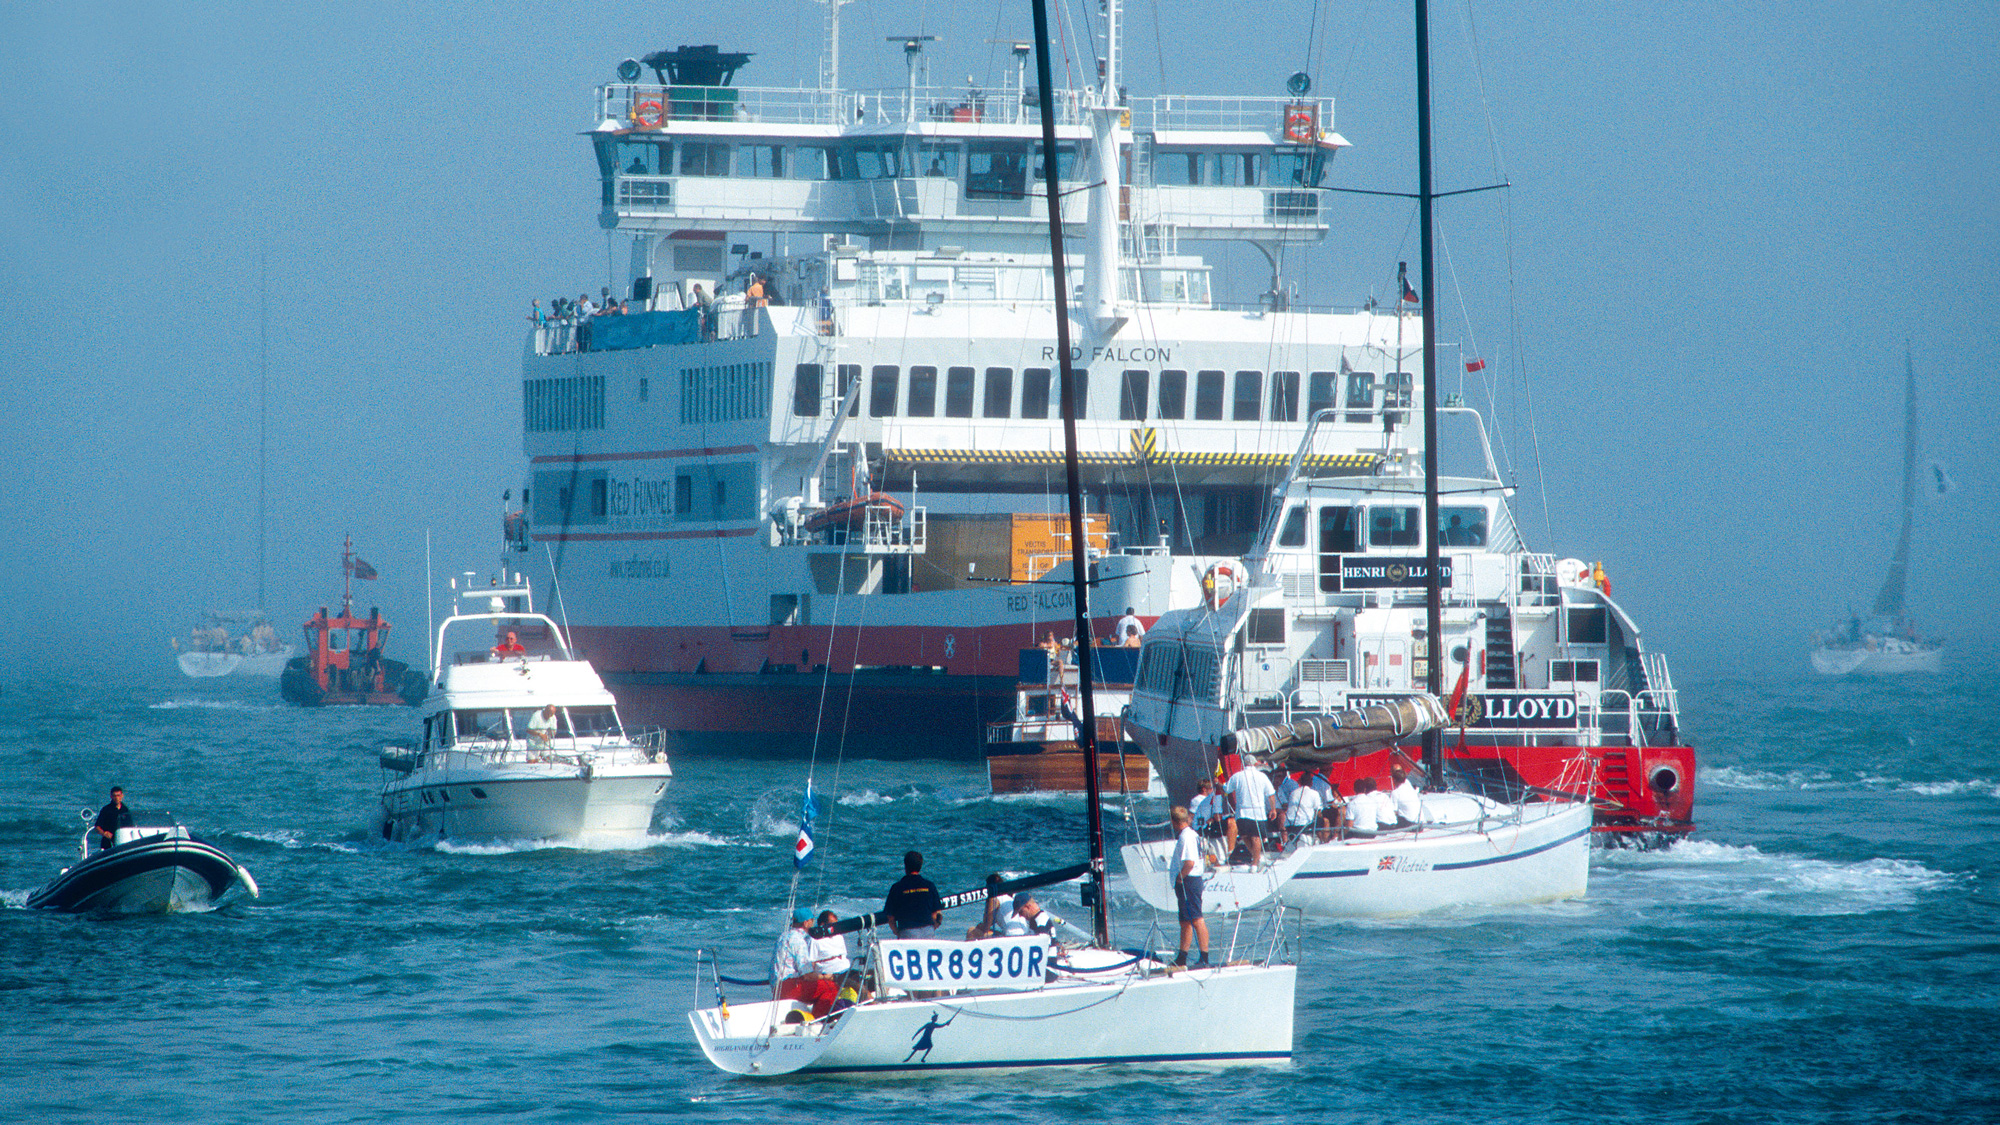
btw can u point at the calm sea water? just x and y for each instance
(1825, 949)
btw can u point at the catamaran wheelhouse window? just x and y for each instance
(1132, 396)
(807, 389)
(923, 392)
(1173, 394)
(1249, 401)
(1397, 395)
(939, 161)
(1394, 527)
(1208, 396)
(996, 170)
(999, 392)
(760, 161)
(1320, 391)
(704, 158)
(1284, 396)
(1360, 394)
(1462, 527)
(1293, 534)
(882, 382)
(958, 392)
(1339, 534)
(1035, 392)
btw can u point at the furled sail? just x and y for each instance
(1889, 600)
(1335, 738)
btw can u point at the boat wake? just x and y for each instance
(15, 900)
(1742, 877)
(597, 844)
(209, 705)
(1732, 777)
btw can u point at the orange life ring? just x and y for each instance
(659, 114)
(1219, 585)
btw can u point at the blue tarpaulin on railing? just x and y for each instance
(643, 330)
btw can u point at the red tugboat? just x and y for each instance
(344, 661)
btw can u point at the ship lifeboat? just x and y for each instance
(852, 514)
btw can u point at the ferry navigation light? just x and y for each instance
(1300, 83)
(629, 71)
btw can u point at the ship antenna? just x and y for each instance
(1086, 734)
(430, 615)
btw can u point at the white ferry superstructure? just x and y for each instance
(676, 470)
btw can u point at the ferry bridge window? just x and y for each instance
(923, 392)
(1360, 394)
(958, 392)
(1208, 396)
(1284, 396)
(760, 161)
(1393, 527)
(1132, 396)
(704, 158)
(1176, 169)
(1397, 394)
(1065, 162)
(939, 160)
(879, 162)
(1462, 527)
(1320, 391)
(807, 389)
(1293, 534)
(996, 170)
(1173, 394)
(1297, 168)
(1249, 401)
(882, 391)
(810, 162)
(643, 158)
(999, 392)
(1035, 392)
(1339, 534)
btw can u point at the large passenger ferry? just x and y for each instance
(809, 480)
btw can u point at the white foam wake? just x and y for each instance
(1743, 877)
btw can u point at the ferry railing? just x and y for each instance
(644, 105)
(1195, 112)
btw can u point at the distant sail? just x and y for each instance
(1889, 600)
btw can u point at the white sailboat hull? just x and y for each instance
(467, 805)
(208, 665)
(1541, 856)
(1877, 662)
(270, 664)
(1232, 1015)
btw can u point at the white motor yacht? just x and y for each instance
(521, 740)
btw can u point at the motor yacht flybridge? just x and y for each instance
(684, 456)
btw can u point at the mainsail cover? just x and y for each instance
(1338, 737)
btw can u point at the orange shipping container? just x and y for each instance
(1041, 541)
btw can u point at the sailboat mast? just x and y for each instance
(263, 410)
(1889, 601)
(1086, 735)
(1433, 589)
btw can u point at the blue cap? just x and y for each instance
(802, 914)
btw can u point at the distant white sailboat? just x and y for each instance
(1886, 643)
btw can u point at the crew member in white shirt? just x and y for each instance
(1409, 804)
(1204, 809)
(828, 949)
(1255, 801)
(1188, 872)
(1385, 807)
(1302, 814)
(1361, 809)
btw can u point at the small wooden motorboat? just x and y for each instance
(147, 869)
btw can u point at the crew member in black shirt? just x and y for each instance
(914, 907)
(112, 817)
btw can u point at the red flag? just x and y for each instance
(1458, 693)
(1475, 365)
(1409, 294)
(360, 568)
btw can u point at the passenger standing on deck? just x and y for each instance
(1255, 802)
(112, 817)
(753, 299)
(1130, 629)
(705, 308)
(1188, 872)
(914, 906)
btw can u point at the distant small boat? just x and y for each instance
(226, 642)
(343, 661)
(147, 869)
(1887, 643)
(1035, 750)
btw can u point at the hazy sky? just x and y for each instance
(1725, 220)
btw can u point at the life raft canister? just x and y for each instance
(649, 114)
(1219, 584)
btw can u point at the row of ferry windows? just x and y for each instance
(992, 168)
(1238, 397)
